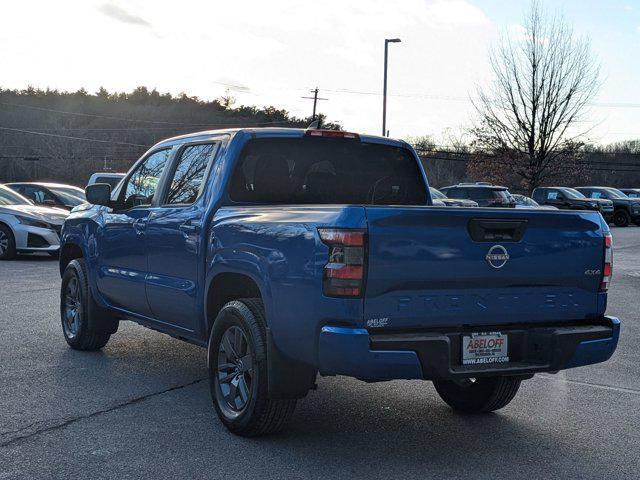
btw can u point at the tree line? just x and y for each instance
(63, 136)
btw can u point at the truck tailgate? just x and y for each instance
(426, 270)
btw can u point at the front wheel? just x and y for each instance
(621, 218)
(81, 331)
(478, 395)
(237, 364)
(7, 243)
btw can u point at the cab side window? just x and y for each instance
(38, 195)
(190, 173)
(552, 194)
(457, 193)
(143, 182)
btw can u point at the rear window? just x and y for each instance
(487, 193)
(325, 171)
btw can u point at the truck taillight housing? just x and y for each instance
(331, 134)
(607, 268)
(344, 272)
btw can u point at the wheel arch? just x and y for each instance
(69, 251)
(225, 287)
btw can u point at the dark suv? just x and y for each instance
(567, 198)
(485, 194)
(626, 209)
(631, 192)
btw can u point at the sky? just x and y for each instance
(275, 52)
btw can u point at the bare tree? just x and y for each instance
(532, 117)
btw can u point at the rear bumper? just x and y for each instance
(436, 355)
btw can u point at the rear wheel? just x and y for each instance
(85, 326)
(478, 395)
(7, 243)
(621, 218)
(237, 364)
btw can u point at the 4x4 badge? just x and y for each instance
(497, 256)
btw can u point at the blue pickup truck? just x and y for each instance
(289, 253)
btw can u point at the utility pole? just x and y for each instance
(315, 99)
(387, 41)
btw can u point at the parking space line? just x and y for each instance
(587, 384)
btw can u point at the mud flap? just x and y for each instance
(102, 320)
(287, 378)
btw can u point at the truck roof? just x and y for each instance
(272, 132)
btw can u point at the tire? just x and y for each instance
(7, 243)
(85, 326)
(621, 218)
(238, 373)
(481, 395)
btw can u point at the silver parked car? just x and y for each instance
(25, 227)
(107, 177)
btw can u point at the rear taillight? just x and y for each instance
(607, 268)
(344, 272)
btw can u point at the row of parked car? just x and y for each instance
(618, 206)
(32, 213)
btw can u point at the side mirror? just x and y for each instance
(98, 194)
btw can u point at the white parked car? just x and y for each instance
(25, 227)
(111, 178)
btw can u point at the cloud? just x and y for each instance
(121, 15)
(456, 13)
(232, 84)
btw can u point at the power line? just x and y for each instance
(161, 122)
(463, 99)
(113, 142)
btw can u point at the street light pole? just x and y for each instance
(387, 41)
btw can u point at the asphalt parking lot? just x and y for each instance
(141, 408)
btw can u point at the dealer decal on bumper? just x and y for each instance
(485, 347)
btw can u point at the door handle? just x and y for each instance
(190, 227)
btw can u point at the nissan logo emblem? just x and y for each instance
(497, 256)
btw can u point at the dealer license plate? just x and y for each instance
(485, 347)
